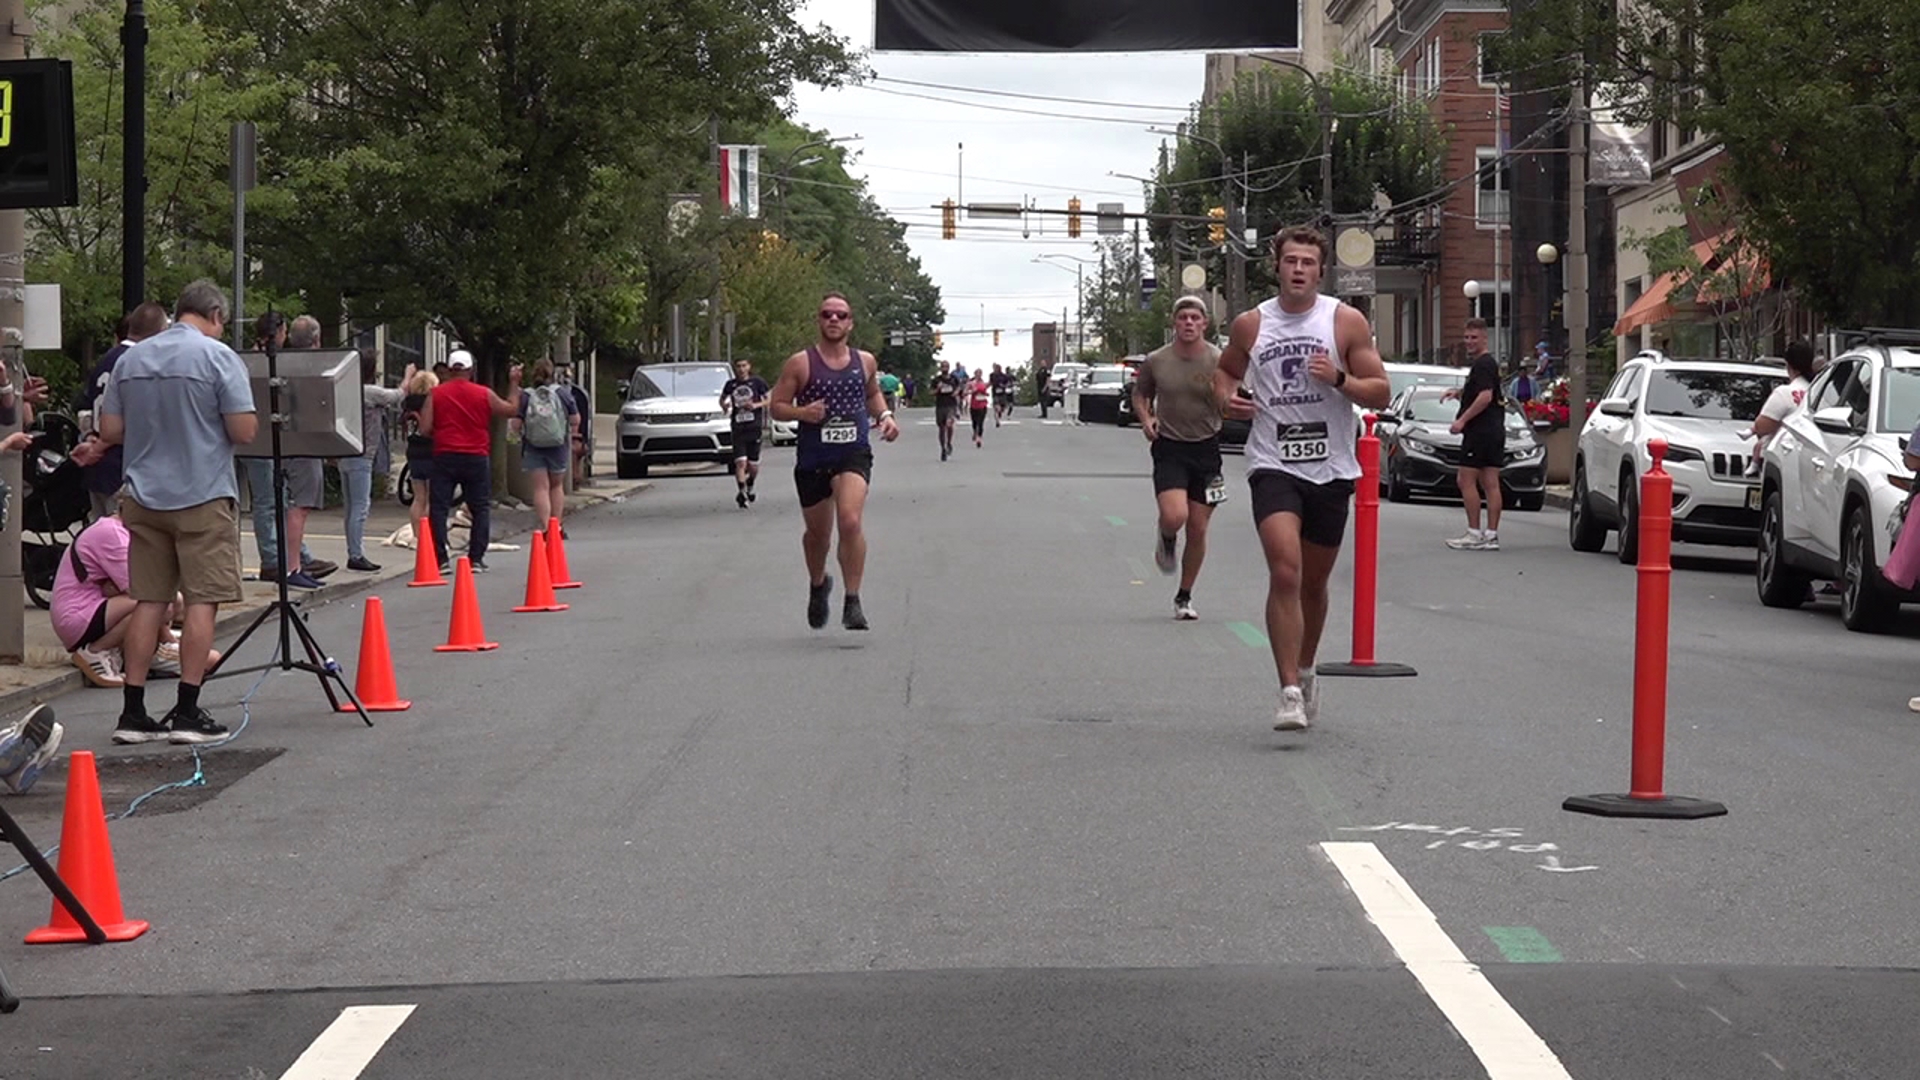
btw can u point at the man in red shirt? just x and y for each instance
(459, 416)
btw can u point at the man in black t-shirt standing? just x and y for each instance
(1481, 426)
(745, 399)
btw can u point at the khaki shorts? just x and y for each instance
(194, 552)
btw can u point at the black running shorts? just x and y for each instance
(1321, 508)
(1484, 448)
(1186, 466)
(816, 485)
(746, 443)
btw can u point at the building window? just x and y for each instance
(1496, 188)
(1434, 78)
(1488, 77)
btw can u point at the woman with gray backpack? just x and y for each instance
(547, 420)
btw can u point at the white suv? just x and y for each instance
(1700, 407)
(1830, 482)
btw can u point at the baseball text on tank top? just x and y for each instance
(845, 428)
(1304, 426)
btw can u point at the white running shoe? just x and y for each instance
(1471, 541)
(1490, 541)
(1310, 690)
(1292, 715)
(1183, 610)
(101, 668)
(166, 661)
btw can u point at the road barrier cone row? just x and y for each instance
(465, 632)
(539, 581)
(374, 683)
(557, 557)
(86, 864)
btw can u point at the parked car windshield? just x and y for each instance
(1430, 409)
(1710, 395)
(1110, 377)
(678, 382)
(1899, 398)
(1400, 380)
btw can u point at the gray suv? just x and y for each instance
(672, 416)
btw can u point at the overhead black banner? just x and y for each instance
(1083, 25)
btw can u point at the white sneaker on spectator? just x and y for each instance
(1473, 540)
(101, 668)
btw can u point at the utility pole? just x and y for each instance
(1236, 234)
(1576, 313)
(713, 302)
(133, 155)
(13, 321)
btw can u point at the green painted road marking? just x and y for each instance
(1249, 635)
(1118, 523)
(1523, 944)
(1084, 498)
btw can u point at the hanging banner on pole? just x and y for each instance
(1618, 152)
(740, 180)
(1060, 25)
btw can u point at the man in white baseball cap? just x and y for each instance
(459, 416)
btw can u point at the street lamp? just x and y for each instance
(1079, 290)
(787, 165)
(1236, 267)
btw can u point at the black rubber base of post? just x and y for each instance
(1377, 670)
(1677, 807)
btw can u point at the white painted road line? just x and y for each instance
(1507, 1047)
(349, 1044)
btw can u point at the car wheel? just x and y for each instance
(1629, 504)
(630, 468)
(1584, 531)
(1780, 585)
(1398, 490)
(1866, 604)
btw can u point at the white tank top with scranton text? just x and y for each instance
(1303, 426)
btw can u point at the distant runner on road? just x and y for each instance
(743, 398)
(979, 398)
(1308, 360)
(946, 406)
(833, 391)
(1173, 396)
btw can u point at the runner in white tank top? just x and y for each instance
(1307, 360)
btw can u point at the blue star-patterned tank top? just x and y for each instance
(845, 428)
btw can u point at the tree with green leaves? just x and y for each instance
(1726, 277)
(195, 95)
(1813, 102)
(1262, 143)
(488, 163)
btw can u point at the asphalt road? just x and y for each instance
(1027, 826)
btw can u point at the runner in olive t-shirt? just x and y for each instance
(1174, 398)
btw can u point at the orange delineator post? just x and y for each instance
(557, 557)
(1646, 797)
(539, 584)
(373, 682)
(1366, 567)
(426, 560)
(86, 864)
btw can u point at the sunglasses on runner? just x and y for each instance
(836, 316)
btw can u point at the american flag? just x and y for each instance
(1503, 103)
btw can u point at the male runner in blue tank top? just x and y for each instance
(1308, 360)
(832, 389)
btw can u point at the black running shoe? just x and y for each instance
(193, 726)
(740, 498)
(750, 495)
(852, 616)
(817, 598)
(139, 728)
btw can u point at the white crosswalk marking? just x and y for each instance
(1507, 1047)
(349, 1044)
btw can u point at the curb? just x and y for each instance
(1559, 500)
(72, 680)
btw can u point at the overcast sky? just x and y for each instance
(908, 156)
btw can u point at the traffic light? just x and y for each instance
(1073, 217)
(1217, 231)
(936, 341)
(996, 339)
(946, 220)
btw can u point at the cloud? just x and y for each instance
(911, 158)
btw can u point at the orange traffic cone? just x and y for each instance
(426, 561)
(464, 632)
(539, 582)
(86, 864)
(374, 684)
(557, 557)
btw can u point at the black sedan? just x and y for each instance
(1419, 456)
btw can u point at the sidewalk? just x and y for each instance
(49, 672)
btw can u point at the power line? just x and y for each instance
(1028, 97)
(1129, 121)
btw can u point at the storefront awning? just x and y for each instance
(1713, 254)
(1654, 306)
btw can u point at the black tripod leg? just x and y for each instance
(95, 935)
(258, 620)
(328, 671)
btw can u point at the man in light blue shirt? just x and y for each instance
(179, 402)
